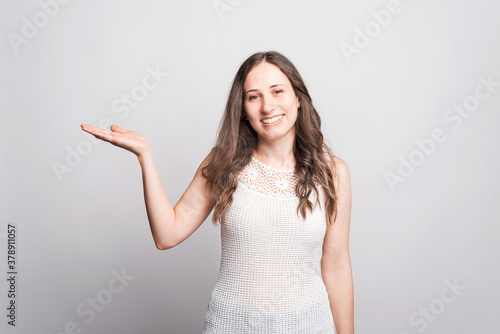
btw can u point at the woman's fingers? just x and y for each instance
(117, 128)
(118, 136)
(99, 133)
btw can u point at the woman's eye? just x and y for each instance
(252, 97)
(279, 91)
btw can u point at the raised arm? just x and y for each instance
(172, 225)
(169, 225)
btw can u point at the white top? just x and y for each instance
(270, 273)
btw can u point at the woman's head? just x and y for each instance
(253, 96)
(247, 108)
(270, 105)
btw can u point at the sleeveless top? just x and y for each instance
(270, 272)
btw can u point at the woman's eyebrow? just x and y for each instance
(255, 90)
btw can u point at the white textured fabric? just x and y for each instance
(270, 274)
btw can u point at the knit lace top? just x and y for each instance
(270, 273)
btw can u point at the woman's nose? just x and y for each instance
(267, 104)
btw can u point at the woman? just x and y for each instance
(283, 200)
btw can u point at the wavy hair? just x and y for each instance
(236, 140)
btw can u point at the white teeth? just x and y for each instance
(272, 120)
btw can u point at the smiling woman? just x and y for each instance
(282, 268)
(282, 198)
(268, 86)
(270, 101)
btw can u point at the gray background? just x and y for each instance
(73, 230)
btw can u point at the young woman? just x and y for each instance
(282, 198)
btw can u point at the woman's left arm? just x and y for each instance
(336, 262)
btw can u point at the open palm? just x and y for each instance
(118, 136)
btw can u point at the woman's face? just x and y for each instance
(270, 102)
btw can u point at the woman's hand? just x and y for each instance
(130, 140)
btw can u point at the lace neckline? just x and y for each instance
(272, 181)
(272, 168)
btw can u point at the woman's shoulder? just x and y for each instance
(341, 171)
(338, 163)
(334, 160)
(338, 166)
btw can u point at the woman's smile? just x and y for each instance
(271, 105)
(275, 120)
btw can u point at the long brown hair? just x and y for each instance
(236, 140)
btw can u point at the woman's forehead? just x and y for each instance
(265, 75)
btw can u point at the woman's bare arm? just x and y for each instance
(172, 225)
(169, 225)
(336, 261)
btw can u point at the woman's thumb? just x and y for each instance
(116, 128)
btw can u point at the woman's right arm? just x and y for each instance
(172, 225)
(169, 225)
